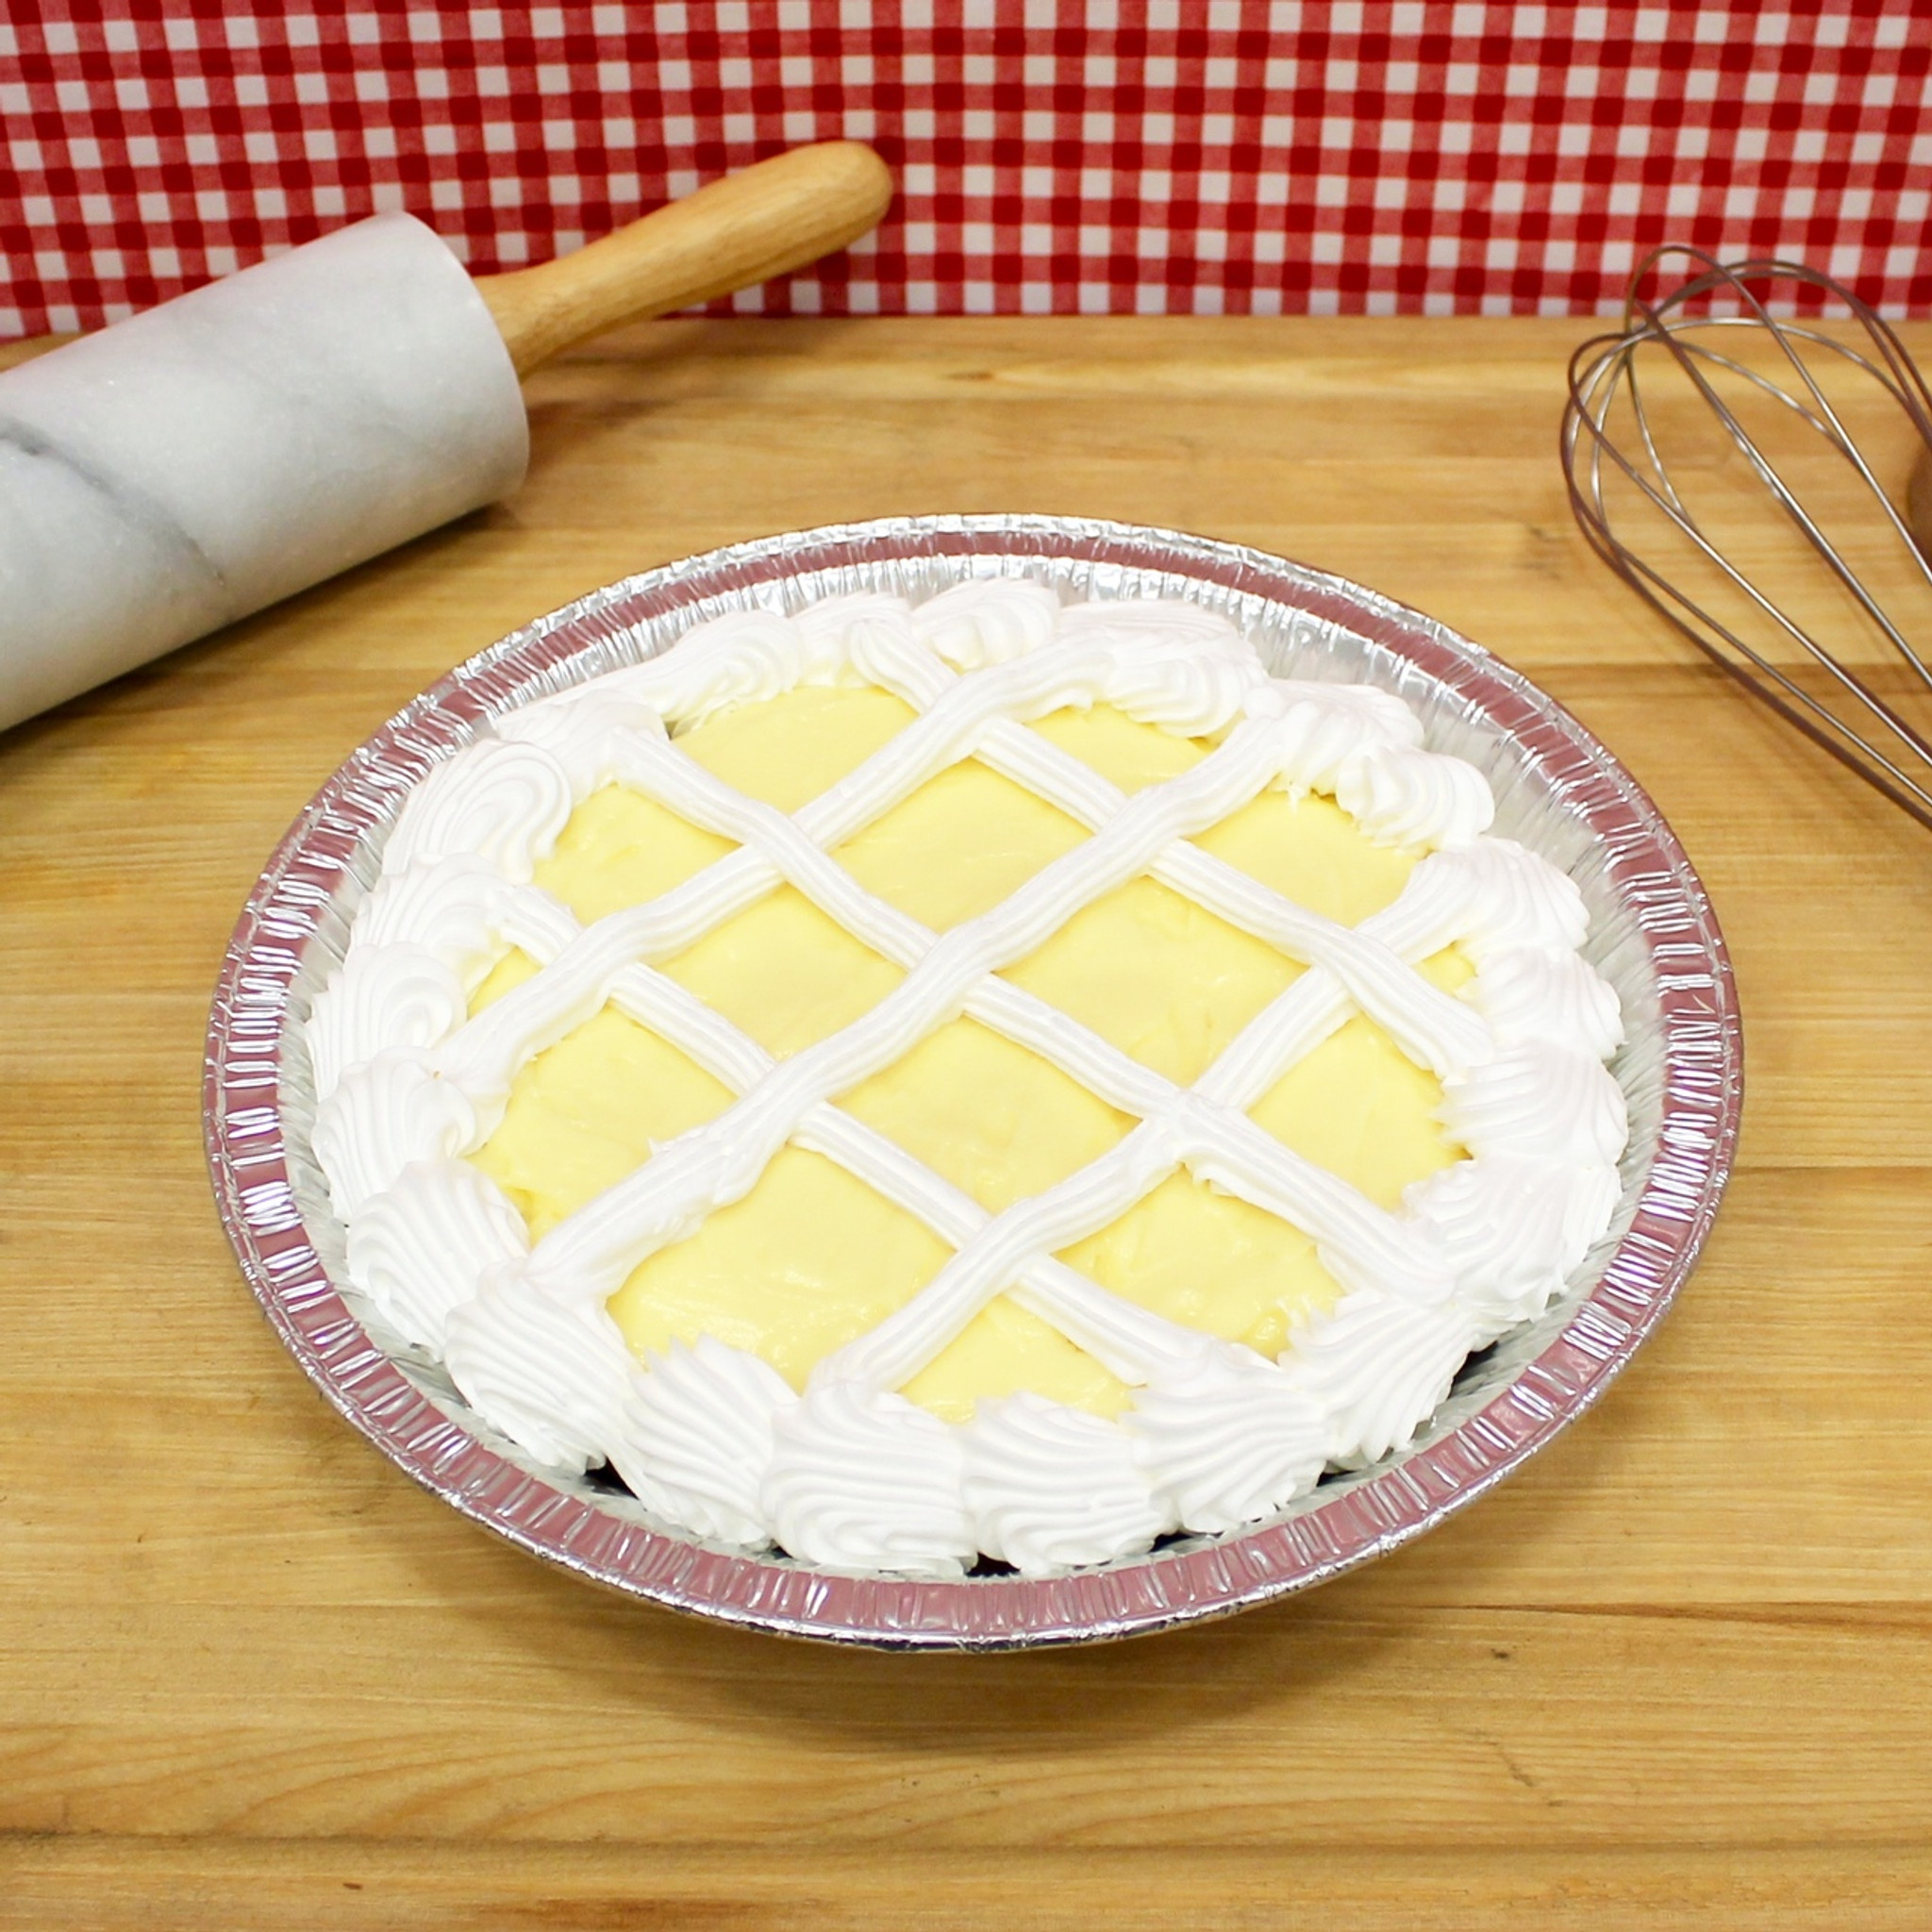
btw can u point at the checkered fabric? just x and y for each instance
(1200, 156)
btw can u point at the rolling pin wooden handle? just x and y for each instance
(763, 221)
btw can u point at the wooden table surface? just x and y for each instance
(1678, 1670)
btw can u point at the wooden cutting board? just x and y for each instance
(1677, 1670)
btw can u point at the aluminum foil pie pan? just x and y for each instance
(1653, 936)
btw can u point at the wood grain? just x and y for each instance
(1675, 1672)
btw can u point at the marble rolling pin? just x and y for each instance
(190, 465)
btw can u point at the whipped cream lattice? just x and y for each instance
(849, 1474)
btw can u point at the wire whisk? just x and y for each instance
(1675, 514)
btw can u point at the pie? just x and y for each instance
(991, 1082)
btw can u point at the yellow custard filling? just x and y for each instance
(812, 1258)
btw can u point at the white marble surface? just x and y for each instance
(198, 461)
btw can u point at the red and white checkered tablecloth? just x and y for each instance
(1200, 156)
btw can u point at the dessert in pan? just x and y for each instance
(987, 1079)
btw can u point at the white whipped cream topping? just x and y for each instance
(383, 996)
(497, 800)
(851, 1475)
(863, 1479)
(700, 1439)
(1228, 1437)
(1495, 897)
(1540, 1101)
(1052, 1488)
(968, 629)
(588, 736)
(461, 909)
(1513, 1230)
(421, 1247)
(381, 1116)
(1539, 994)
(560, 1381)
(1405, 798)
(1330, 726)
(1377, 1365)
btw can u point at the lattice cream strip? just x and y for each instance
(660, 773)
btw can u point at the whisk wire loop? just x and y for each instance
(1605, 372)
(1688, 355)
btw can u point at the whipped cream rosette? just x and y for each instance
(464, 970)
